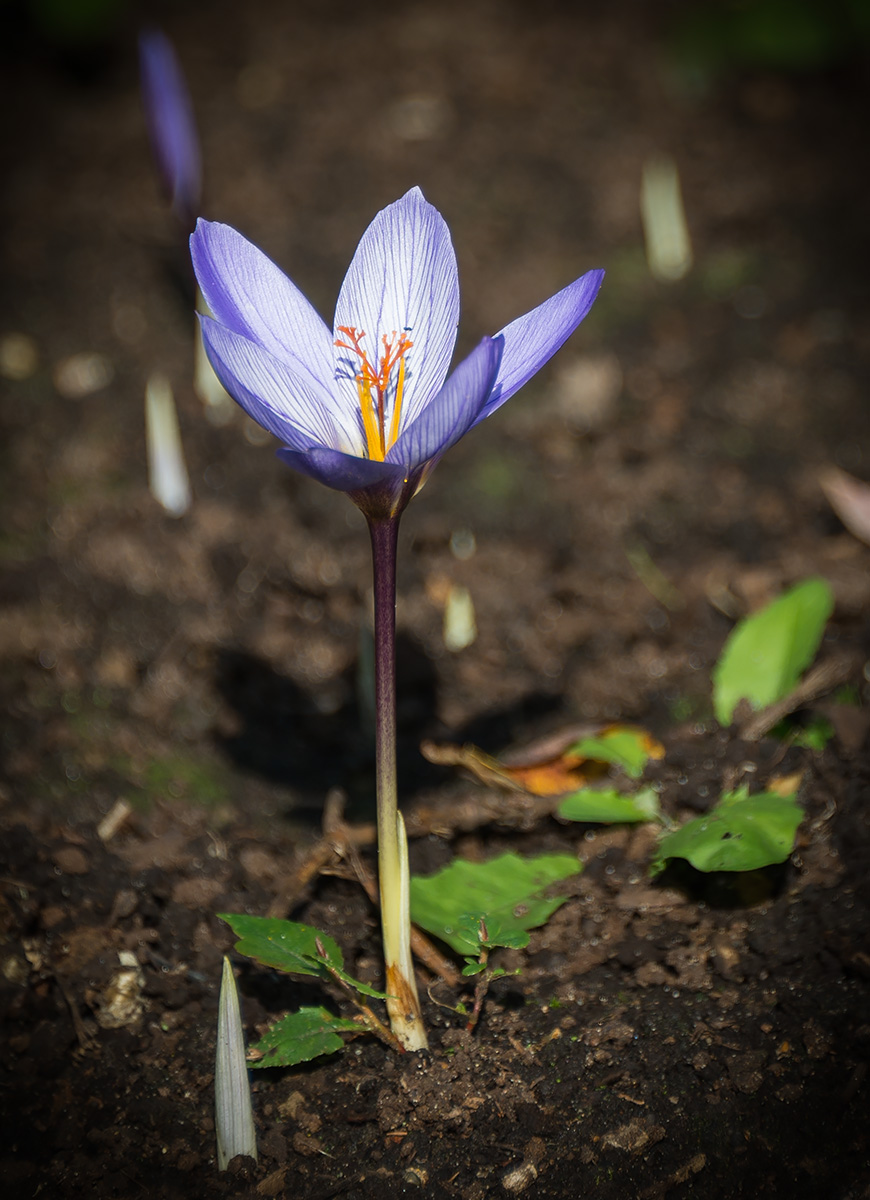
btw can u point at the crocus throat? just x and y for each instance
(373, 383)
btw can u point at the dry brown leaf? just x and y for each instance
(547, 768)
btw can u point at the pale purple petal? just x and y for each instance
(287, 403)
(345, 472)
(171, 124)
(248, 293)
(453, 411)
(403, 279)
(531, 340)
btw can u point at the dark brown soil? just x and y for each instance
(697, 1036)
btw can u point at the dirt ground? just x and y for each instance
(696, 1036)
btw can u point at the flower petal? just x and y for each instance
(171, 125)
(344, 472)
(531, 340)
(249, 294)
(403, 278)
(453, 411)
(287, 403)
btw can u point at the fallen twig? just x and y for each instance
(823, 678)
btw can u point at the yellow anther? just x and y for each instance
(372, 383)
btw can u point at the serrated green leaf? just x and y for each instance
(301, 1036)
(285, 945)
(507, 890)
(623, 745)
(763, 658)
(609, 807)
(742, 833)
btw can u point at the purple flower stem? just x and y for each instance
(403, 1005)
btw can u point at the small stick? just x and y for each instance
(823, 678)
(374, 1023)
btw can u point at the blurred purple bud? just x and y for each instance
(171, 125)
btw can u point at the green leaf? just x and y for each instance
(301, 1036)
(766, 653)
(609, 806)
(623, 745)
(506, 891)
(742, 833)
(283, 944)
(293, 948)
(473, 968)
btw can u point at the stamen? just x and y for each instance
(373, 433)
(373, 383)
(397, 403)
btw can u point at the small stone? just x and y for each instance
(121, 1004)
(518, 1180)
(634, 1136)
(71, 860)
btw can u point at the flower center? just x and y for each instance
(373, 383)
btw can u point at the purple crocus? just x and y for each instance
(169, 113)
(368, 407)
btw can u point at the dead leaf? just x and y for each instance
(546, 768)
(785, 785)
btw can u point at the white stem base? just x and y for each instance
(403, 1004)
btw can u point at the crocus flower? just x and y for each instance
(368, 407)
(169, 113)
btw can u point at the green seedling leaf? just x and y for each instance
(609, 806)
(301, 1036)
(506, 891)
(766, 653)
(284, 944)
(623, 745)
(297, 949)
(473, 968)
(742, 833)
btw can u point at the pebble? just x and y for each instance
(518, 1180)
(71, 860)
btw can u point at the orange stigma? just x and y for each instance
(373, 383)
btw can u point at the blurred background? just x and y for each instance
(582, 554)
(186, 655)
